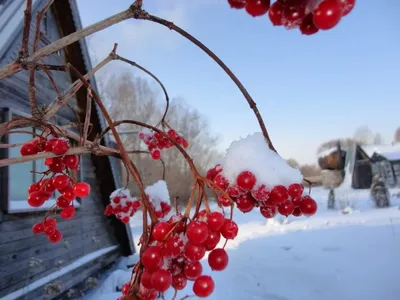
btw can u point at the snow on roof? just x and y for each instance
(327, 152)
(390, 152)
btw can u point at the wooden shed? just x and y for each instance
(30, 266)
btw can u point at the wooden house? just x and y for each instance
(30, 266)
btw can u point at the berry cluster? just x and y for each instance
(156, 142)
(175, 250)
(247, 194)
(41, 191)
(122, 205)
(309, 16)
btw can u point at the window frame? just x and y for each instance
(8, 205)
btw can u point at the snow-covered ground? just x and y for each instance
(333, 255)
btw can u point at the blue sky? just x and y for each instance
(308, 89)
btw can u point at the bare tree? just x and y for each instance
(397, 136)
(378, 139)
(364, 135)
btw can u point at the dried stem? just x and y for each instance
(27, 25)
(132, 63)
(145, 16)
(87, 116)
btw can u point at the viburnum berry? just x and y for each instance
(347, 6)
(275, 13)
(297, 201)
(215, 221)
(179, 282)
(245, 203)
(234, 191)
(49, 144)
(155, 154)
(308, 206)
(237, 4)
(307, 26)
(224, 201)
(297, 212)
(268, 212)
(293, 16)
(327, 14)
(49, 230)
(47, 186)
(34, 187)
(279, 194)
(193, 252)
(246, 180)
(212, 173)
(36, 199)
(221, 181)
(229, 230)
(57, 165)
(145, 279)
(218, 259)
(71, 161)
(125, 288)
(193, 270)
(67, 213)
(50, 222)
(160, 230)
(203, 286)
(161, 280)
(257, 8)
(68, 193)
(56, 237)
(286, 208)
(295, 190)
(152, 258)
(38, 228)
(62, 202)
(212, 240)
(81, 189)
(197, 232)
(28, 149)
(61, 182)
(174, 245)
(60, 146)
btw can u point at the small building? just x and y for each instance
(30, 266)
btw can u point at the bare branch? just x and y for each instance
(27, 25)
(88, 114)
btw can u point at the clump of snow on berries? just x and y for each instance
(253, 154)
(158, 195)
(122, 205)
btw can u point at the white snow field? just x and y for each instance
(331, 256)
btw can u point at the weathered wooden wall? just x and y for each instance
(24, 257)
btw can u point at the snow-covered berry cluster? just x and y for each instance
(156, 142)
(309, 16)
(158, 196)
(176, 248)
(252, 175)
(55, 178)
(122, 205)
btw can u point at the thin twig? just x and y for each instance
(27, 26)
(88, 114)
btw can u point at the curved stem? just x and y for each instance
(146, 16)
(132, 63)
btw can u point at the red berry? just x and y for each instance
(49, 144)
(295, 190)
(174, 245)
(60, 147)
(297, 212)
(257, 8)
(203, 286)
(172, 133)
(279, 194)
(161, 280)
(185, 143)
(245, 203)
(261, 193)
(160, 230)
(179, 282)
(327, 14)
(56, 237)
(57, 165)
(145, 279)
(268, 212)
(293, 16)
(82, 189)
(234, 191)
(214, 172)
(307, 26)
(50, 222)
(308, 206)
(28, 149)
(237, 4)
(246, 180)
(193, 270)
(49, 230)
(218, 259)
(34, 187)
(297, 201)
(62, 202)
(286, 208)
(46, 186)
(193, 252)
(155, 154)
(229, 230)
(71, 161)
(38, 228)
(152, 258)
(221, 181)
(224, 201)
(125, 288)
(36, 199)
(61, 182)
(68, 193)
(67, 213)
(275, 13)
(212, 241)
(215, 221)
(347, 6)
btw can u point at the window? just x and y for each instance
(21, 176)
